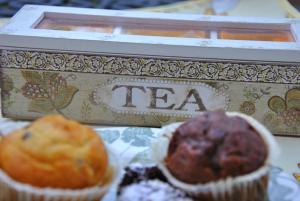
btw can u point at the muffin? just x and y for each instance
(217, 156)
(58, 154)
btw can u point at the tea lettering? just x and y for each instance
(160, 98)
(129, 89)
(155, 97)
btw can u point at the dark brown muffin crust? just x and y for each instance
(214, 146)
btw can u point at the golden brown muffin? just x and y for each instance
(54, 152)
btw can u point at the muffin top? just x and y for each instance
(54, 152)
(214, 146)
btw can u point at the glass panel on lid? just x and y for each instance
(122, 25)
(73, 25)
(256, 35)
(164, 30)
(168, 27)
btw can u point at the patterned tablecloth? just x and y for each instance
(132, 145)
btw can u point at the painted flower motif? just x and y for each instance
(39, 62)
(291, 117)
(47, 91)
(270, 74)
(116, 66)
(96, 63)
(232, 71)
(55, 85)
(36, 61)
(58, 61)
(173, 68)
(34, 91)
(132, 65)
(212, 70)
(272, 120)
(287, 108)
(75, 64)
(193, 71)
(4, 60)
(248, 108)
(250, 72)
(288, 74)
(154, 68)
(20, 58)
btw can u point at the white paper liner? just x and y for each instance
(222, 188)
(11, 190)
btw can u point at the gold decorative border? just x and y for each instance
(153, 67)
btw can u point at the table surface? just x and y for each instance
(290, 147)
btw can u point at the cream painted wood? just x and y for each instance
(20, 33)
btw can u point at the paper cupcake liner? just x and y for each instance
(249, 187)
(11, 190)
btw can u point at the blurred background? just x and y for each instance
(291, 7)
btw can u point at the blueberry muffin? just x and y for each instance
(55, 158)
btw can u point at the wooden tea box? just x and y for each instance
(149, 69)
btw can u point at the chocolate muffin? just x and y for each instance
(214, 146)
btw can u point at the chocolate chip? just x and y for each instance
(26, 135)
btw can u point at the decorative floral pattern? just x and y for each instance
(47, 91)
(252, 95)
(272, 120)
(248, 108)
(204, 70)
(86, 111)
(288, 108)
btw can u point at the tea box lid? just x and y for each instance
(110, 32)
